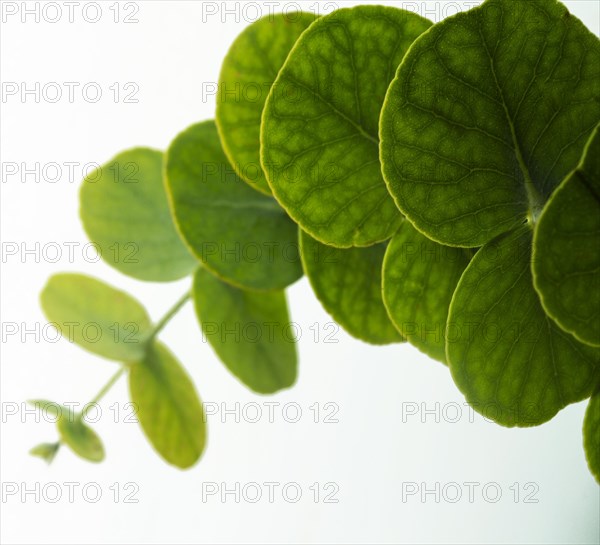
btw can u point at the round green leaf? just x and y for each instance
(239, 234)
(247, 75)
(419, 279)
(566, 250)
(169, 409)
(249, 331)
(80, 438)
(319, 135)
(489, 111)
(96, 316)
(348, 284)
(125, 211)
(591, 435)
(509, 359)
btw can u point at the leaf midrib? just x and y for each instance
(534, 199)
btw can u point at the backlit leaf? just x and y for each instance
(319, 135)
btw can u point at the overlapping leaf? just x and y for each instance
(238, 233)
(347, 281)
(512, 362)
(249, 330)
(419, 279)
(124, 210)
(566, 250)
(247, 75)
(489, 111)
(319, 135)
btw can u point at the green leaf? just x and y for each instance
(347, 281)
(169, 409)
(319, 135)
(591, 435)
(45, 451)
(249, 331)
(80, 438)
(125, 211)
(510, 360)
(566, 250)
(50, 407)
(419, 279)
(247, 75)
(96, 316)
(239, 234)
(489, 111)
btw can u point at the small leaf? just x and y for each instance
(238, 233)
(509, 359)
(125, 211)
(489, 111)
(169, 409)
(96, 316)
(591, 435)
(49, 407)
(566, 250)
(419, 279)
(319, 135)
(247, 74)
(249, 331)
(348, 284)
(80, 438)
(45, 451)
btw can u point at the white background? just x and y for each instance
(373, 449)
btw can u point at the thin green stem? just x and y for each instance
(167, 317)
(108, 385)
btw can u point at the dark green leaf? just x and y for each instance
(169, 409)
(488, 113)
(348, 284)
(566, 250)
(319, 135)
(249, 330)
(591, 435)
(239, 234)
(124, 210)
(512, 362)
(96, 316)
(247, 74)
(419, 279)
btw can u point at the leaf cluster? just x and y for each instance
(438, 184)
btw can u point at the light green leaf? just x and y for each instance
(239, 234)
(80, 438)
(591, 435)
(509, 359)
(169, 409)
(125, 211)
(247, 75)
(319, 135)
(488, 113)
(566, 250)
(96, 316)
(49, 407)
(250, 331)
(419, 279)
(347, 281)
(45, 451)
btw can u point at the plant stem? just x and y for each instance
(107, 386)
(167, 317)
